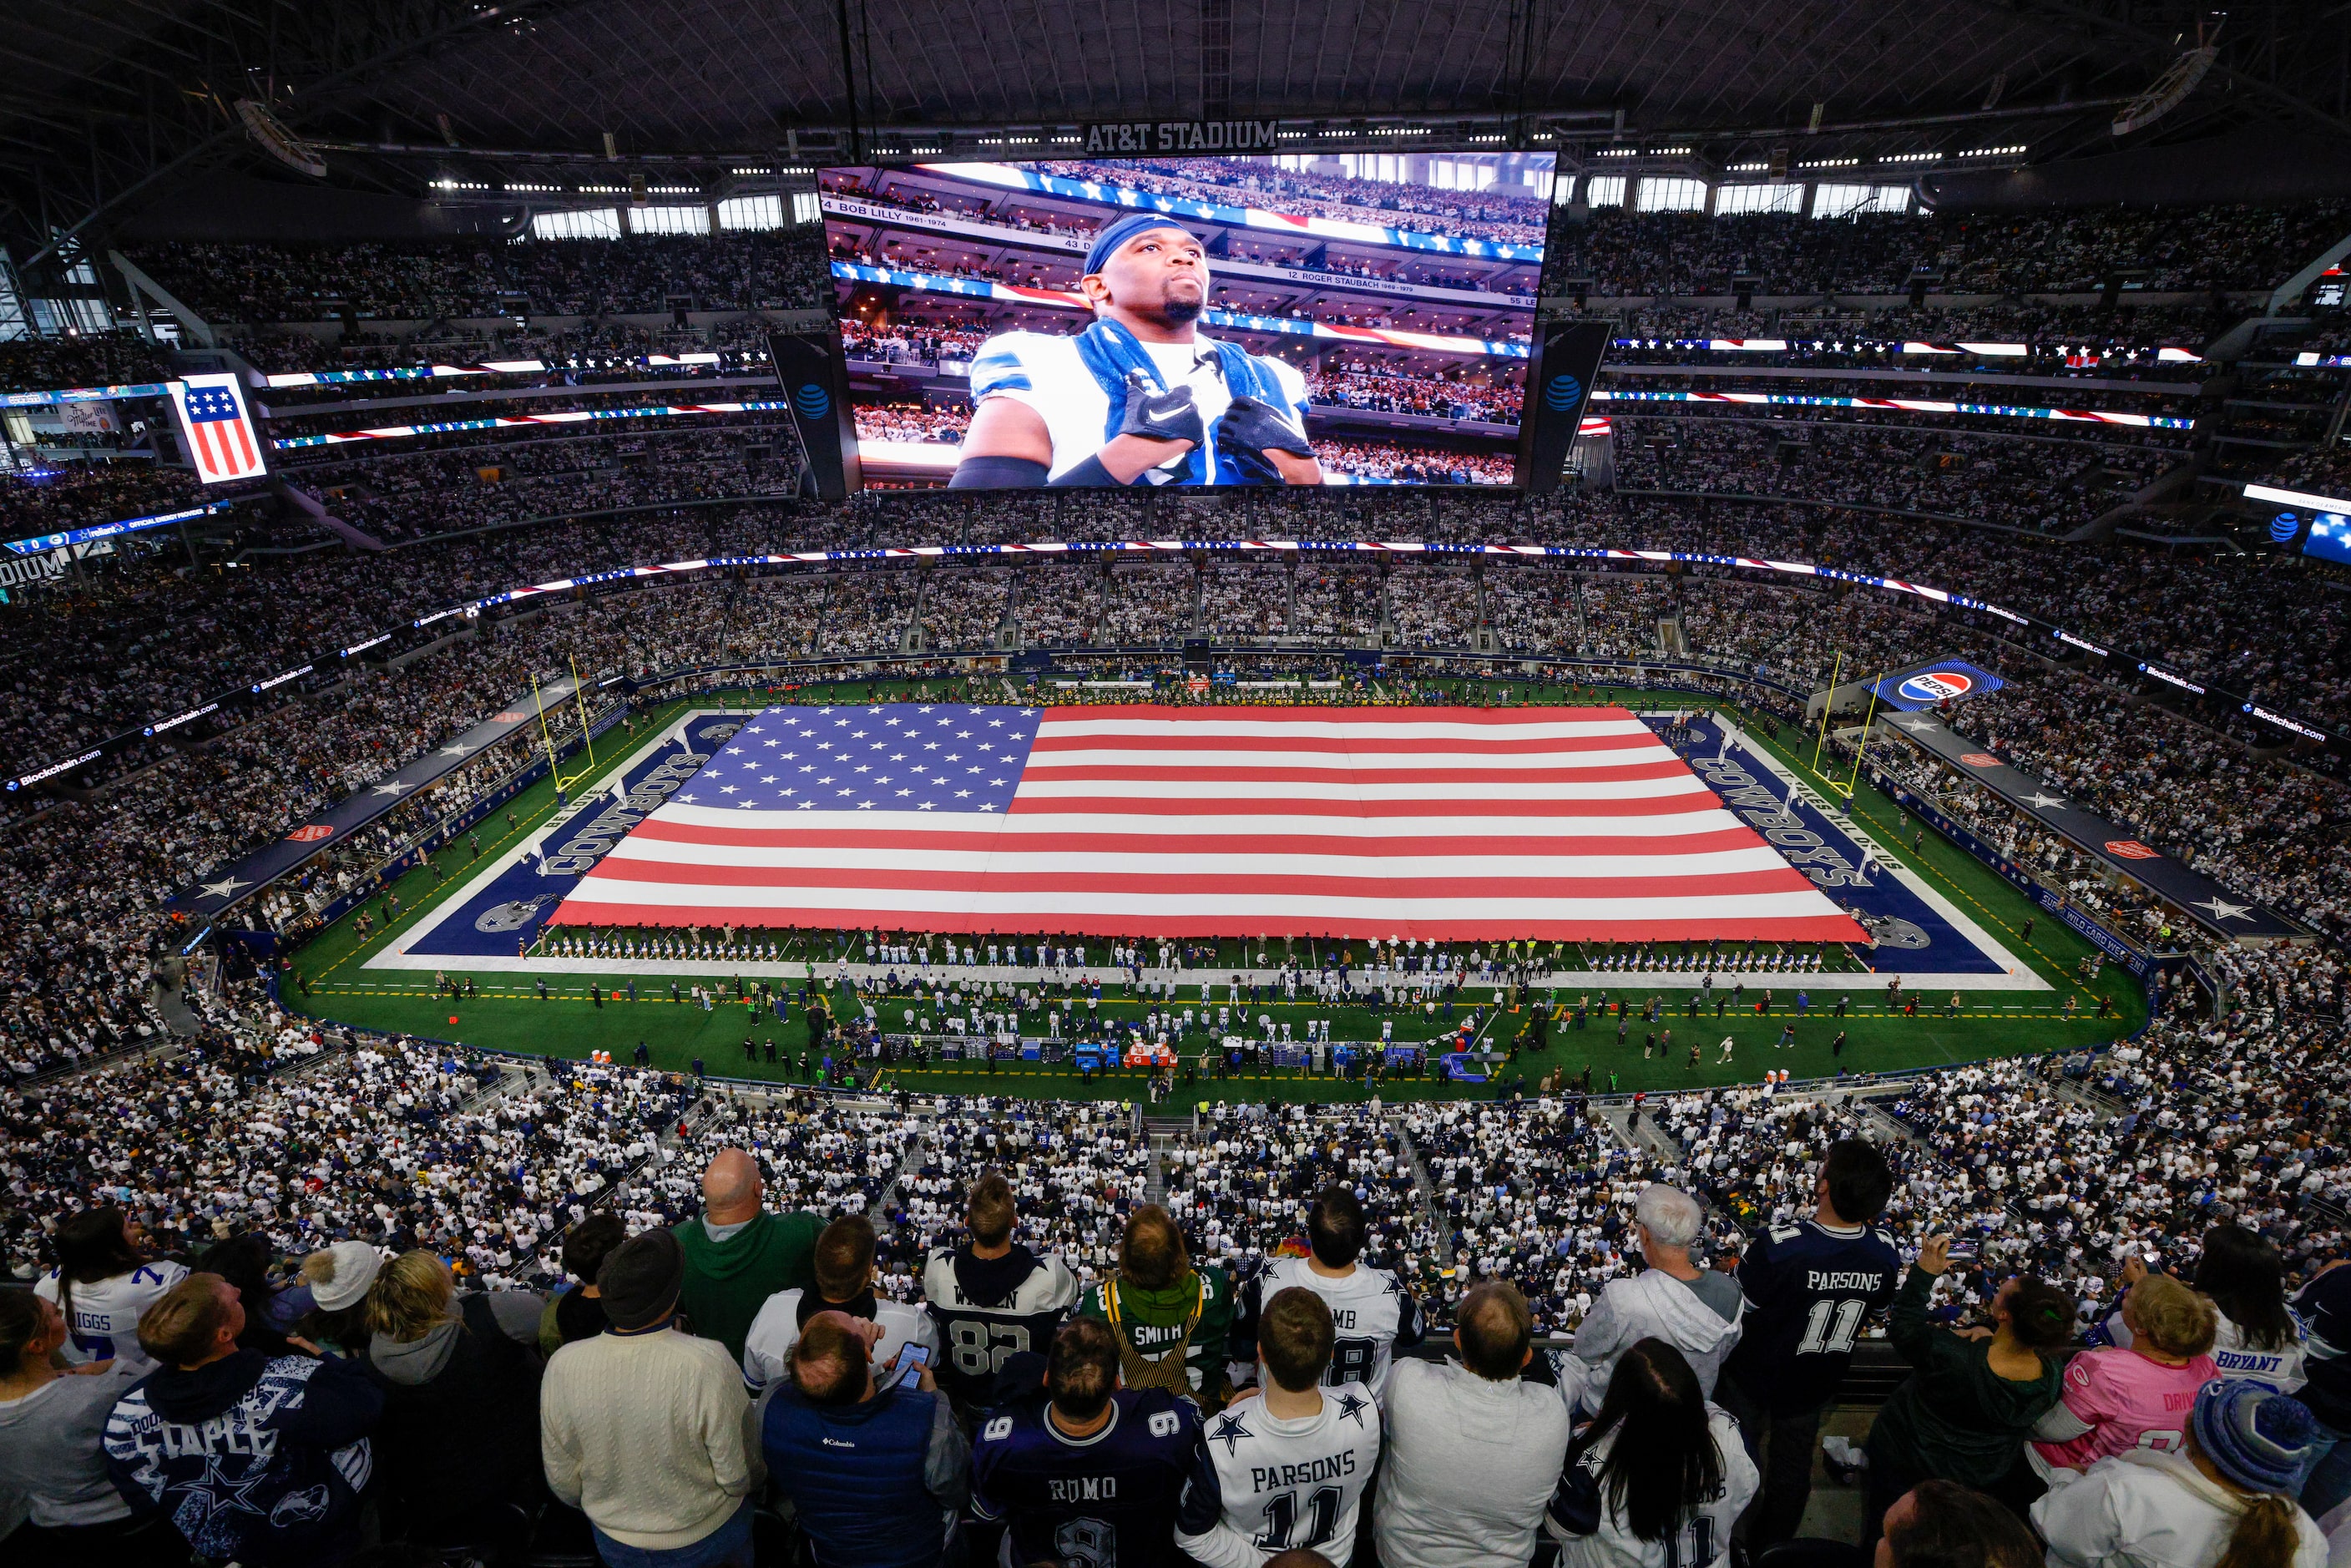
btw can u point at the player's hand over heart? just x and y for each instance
(1160, 416)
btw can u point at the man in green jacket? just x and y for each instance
(738, 1254)
(1172, 1319)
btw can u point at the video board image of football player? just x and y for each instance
(1140, 397)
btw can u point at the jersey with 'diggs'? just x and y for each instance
(1809, 1290)
(1109, 1499)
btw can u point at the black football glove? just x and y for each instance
(1160, 416)
(1249, 429)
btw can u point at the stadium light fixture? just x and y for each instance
(1755, 166)
(1829, 163)
(2015, 152)
(1910, 157)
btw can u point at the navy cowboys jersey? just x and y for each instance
(1102, 1501)
(978, 1333)
(1371, 1314)
(1262, 1485)
(1809, 1290)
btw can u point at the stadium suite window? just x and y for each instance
(751, 213)
(1850, 201)
(670, 220)
(1604, 190)
(1662, 194)
(1734, 200)
(598, 223)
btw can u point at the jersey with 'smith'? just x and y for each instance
(1810, 1288)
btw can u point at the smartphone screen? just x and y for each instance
(911, 1359)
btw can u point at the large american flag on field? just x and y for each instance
(214, 427)
(1148, 822)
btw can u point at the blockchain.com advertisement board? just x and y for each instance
(1290, 319)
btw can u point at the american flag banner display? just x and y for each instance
(1147, 821)
(216, 430)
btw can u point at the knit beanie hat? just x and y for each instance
(343, 1274)
(2253, 1435)
(640, 1278)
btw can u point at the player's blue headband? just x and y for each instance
(1107, 242)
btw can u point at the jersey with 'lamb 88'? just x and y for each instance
(990, 1309)
(1099, 1502)
(1371, 1314)
(1263, 1485)
(1809, 1290)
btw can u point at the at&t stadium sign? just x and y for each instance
(1183, 136)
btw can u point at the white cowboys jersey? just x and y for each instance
(105, 1318)
(768, 1343)
(1263, 1485)
(1371, 1314)
(1594, 1535)
(1043, 371)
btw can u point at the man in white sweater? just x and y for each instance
(1473, 1451)
(648, 1430)
(1694, 1309)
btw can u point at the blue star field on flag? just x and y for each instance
(891, 757)
(209, 405)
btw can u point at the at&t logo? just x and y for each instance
(1561, 392)
(811, 400)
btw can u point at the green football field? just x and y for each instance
(505, 1011)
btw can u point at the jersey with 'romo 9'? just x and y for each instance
(1263, 1485)
(1809, 1289)
(1101, 1502)
(990, 1309)
(1371, 1314)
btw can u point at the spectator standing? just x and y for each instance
(2257, 1335)
(844, 1284)
(1371, 1311)
(1694, 1309)
(1971, 1396)
(876, 1472)
(647, 1430)
(103, 1282)
(1085, 1466)
(254, 1458)
(1173, 1319)
(1809, 1287)
(738, 1254)
(1474, 1450)
(579, 1312)
(51, 1422)
(2224, 1497)
(1285, 1465)
(992, 1298)
(2325, 1305)
(1658, 1478)
(2117, 1398)
(457, 1448)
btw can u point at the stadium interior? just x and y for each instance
(700, 867)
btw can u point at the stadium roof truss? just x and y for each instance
(114, 96)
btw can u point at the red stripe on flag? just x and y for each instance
(1238, 884)
(659, 829)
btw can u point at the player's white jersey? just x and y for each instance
(1371, 1314)
(1264, 1485)
(768, 1344)
(1044, 371)
(104, 1320)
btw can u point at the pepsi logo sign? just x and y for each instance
(1935, 685)
(1981, 760)
(2130, 850)
(310, 834)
